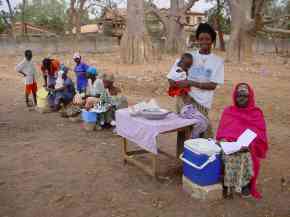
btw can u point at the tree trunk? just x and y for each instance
(176, 41)
(10, 9)
(79, 15)
(219, 28)
(71, 14)
(240, 45)
(12, 19)
(77, 25)
(23, 18)
(136, 46)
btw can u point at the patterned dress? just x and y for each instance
(110, 104)
(238, 170)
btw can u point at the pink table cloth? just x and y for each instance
(144, 132)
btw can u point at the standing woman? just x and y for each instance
(81, 73)
(49, 68)
(206, 73)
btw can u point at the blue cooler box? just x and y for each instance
(89, 117)
(201, 169)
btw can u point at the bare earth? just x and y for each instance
(51, 167)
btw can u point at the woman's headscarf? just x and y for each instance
(77, 56)
(236, 120)
(92, 71)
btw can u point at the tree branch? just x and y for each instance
(259, 6)
(94, 4)
(276, 19)
(189, 5)
(276, 30)
(72, 4)
(82, 4)
(162, 18)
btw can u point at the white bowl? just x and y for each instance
(155, 115)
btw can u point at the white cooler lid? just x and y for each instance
(202, 146)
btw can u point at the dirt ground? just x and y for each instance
(51, 167)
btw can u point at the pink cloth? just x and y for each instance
(235, 121)
(143, 132)
(191, 112)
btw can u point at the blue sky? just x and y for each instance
(200, 6)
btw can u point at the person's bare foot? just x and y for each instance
(28, 104)
(228, 193)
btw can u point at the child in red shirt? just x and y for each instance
(179, 73)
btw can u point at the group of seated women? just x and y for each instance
(93, 89)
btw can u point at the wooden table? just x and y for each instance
(182, 135)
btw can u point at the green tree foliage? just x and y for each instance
(50, 14)
(223, 14)
(2, 25)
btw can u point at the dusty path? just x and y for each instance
(50, 167)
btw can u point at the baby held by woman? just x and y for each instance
(177, 75)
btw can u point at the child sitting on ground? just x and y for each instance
(27, 69)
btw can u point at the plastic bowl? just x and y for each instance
(155, 115)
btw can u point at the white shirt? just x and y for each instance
(205, 68)
(95, 88)
(59, 81)
(28, 68)
(177, 74)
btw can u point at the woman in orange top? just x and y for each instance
(49, 68)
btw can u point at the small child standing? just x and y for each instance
(178, 74)
(27, 69)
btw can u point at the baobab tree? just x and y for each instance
(10, 16)
(10, 8)
(78, 8)
(173, 23)
(246, 21)
(217, 14)
(136, 46)
(76, 11)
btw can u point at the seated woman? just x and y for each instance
(111, 101)
(64, 89)
(241, 169)
(94, 88)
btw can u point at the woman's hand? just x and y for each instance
(203, 86)
(179, 84)
(219, 142)
(244, 149)
(185, 83)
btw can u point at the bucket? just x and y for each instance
(89, 117)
